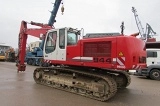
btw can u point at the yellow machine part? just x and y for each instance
(2, 58)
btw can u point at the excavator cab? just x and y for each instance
(57, 41)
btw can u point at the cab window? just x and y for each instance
(51, 42)
(2, 53)
(71, 38)
(151, 54)
(62, 38)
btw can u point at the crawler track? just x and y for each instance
(90, 85)
(122, 78)
(100, 84)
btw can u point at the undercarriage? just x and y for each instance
(99, 84)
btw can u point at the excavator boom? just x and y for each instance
(24, 32)
(36, 32)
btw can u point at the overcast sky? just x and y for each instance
(93, 15)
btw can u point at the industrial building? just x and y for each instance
(4, 47)
(32, 45)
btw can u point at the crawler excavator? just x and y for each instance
(91, 67)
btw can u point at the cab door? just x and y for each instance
(61, 44)
(55, 45)
(50, 51)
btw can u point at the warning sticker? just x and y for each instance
(120, 54)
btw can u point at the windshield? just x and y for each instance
(152, 54)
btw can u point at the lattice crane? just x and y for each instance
(146, 35)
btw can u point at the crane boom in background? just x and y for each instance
(146, 35)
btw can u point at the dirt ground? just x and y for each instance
(19, 89)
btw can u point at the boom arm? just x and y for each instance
(149, 31)
(148, 34)
(54, 12)
(24, 32)
(138, 22)
(52, 17)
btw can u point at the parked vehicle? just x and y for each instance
(2, 55)
(35, 57)
(153, 65)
